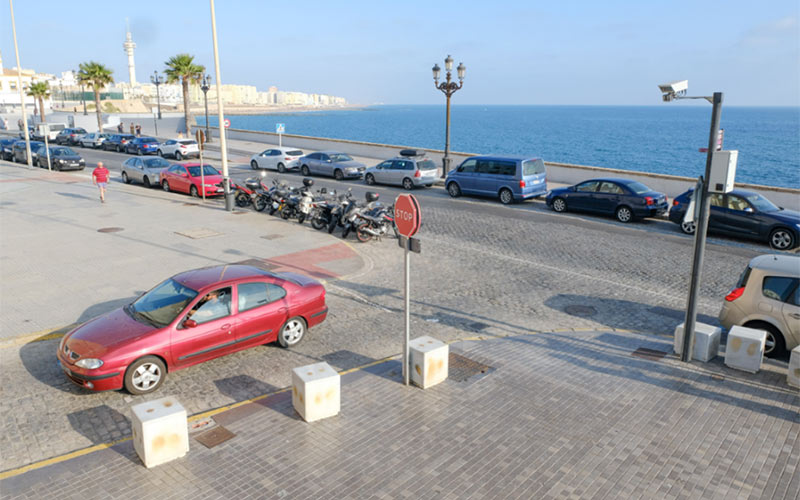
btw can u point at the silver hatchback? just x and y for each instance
(411, 169)
(144, 170)
(767, 297)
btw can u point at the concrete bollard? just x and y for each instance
(429, 361)
(316, 391)
(160, 431)
(793, 372)
(745, 348)
(706, 341)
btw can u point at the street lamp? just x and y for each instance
(449, 88)
(674, 91)
(157, 81)
(63, 104)
(204, 88)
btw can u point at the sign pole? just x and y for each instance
(407, 301)
(46, 131)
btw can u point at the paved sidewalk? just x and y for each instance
(556, 415)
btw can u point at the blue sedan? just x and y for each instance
(142, 146)
(744, 214)
(625, 199)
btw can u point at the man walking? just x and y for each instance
(100, 179)
(120, 128)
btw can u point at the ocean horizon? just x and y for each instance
(656, 139)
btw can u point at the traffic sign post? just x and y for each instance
(44, 129)
(407, 219)
(280, 128)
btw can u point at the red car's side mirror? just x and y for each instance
(190, 323)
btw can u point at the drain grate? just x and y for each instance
(461, 369)
(651, 354)
(273, 236)
(580, 310)
(110, 230)
(214, 436)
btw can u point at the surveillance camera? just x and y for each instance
(674, 88)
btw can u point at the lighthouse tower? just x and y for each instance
(128, 45)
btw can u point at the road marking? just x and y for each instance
(41, 336)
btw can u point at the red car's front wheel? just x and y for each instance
(145, 375)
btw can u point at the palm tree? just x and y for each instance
(183, 68)
(98, 76)
(40, 91)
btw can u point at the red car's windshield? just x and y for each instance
(207, 170)
(163, 303)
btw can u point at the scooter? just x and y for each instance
(252, 192)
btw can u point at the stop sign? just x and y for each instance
(406, 215)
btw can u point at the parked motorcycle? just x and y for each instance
(376, 224)
(253, 191)
(321, 206)
(354, 212)
(297, 202)
(343, 203)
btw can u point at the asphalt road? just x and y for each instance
(485, 269)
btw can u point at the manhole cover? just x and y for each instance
(272, 236)
(579, 310)
(110, 230)
(461, 368)
(651, 354)
(214, 436)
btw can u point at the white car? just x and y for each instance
(179, 148)
(93, 140)
(280, 159)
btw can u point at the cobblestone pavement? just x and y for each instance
(557, 416)
(485, 270)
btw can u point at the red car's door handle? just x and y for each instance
(226, 327)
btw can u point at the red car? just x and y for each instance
(185, 178)
(190, 318)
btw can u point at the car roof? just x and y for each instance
(512, 157)
(332, 152)
(780, 263)
(198, 279)
(618, 180)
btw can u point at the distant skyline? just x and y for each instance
(604, 53)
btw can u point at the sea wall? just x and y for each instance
(562, 173)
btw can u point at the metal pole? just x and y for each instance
(406, 299)
(280, 140)
(83, 98)
(19, 86)
(155, 124)
(205, 98)
(47, 147)
(700, 234)
(202, 174)
(226, 181)
(158, 97)
(446, 162)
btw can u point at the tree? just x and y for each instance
(182, 68)
(98, 76)
(40, 91)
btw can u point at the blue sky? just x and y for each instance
(377, 51)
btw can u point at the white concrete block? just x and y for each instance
(160, 431)
(706, 341)
(793, 373)
(316, 391)
(745, 348)
(428, 358)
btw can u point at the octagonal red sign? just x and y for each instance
(406, 215)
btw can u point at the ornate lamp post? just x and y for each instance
(204, 87)
(449, 88)
(157, 81)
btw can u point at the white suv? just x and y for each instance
(179, 148)
(767, 297)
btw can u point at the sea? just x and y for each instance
(660, 139)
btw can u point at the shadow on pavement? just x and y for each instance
(39, 357)
(617, 313)
(73, 195)
(345, 359)
(241, 387)
(592, 354)
(94, 424)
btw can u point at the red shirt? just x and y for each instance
(100, 174)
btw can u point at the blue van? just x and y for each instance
(510, 178)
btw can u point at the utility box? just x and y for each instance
(429, 359)
(723, 171)
(705, 346)
(316, 391)
(160, 431)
